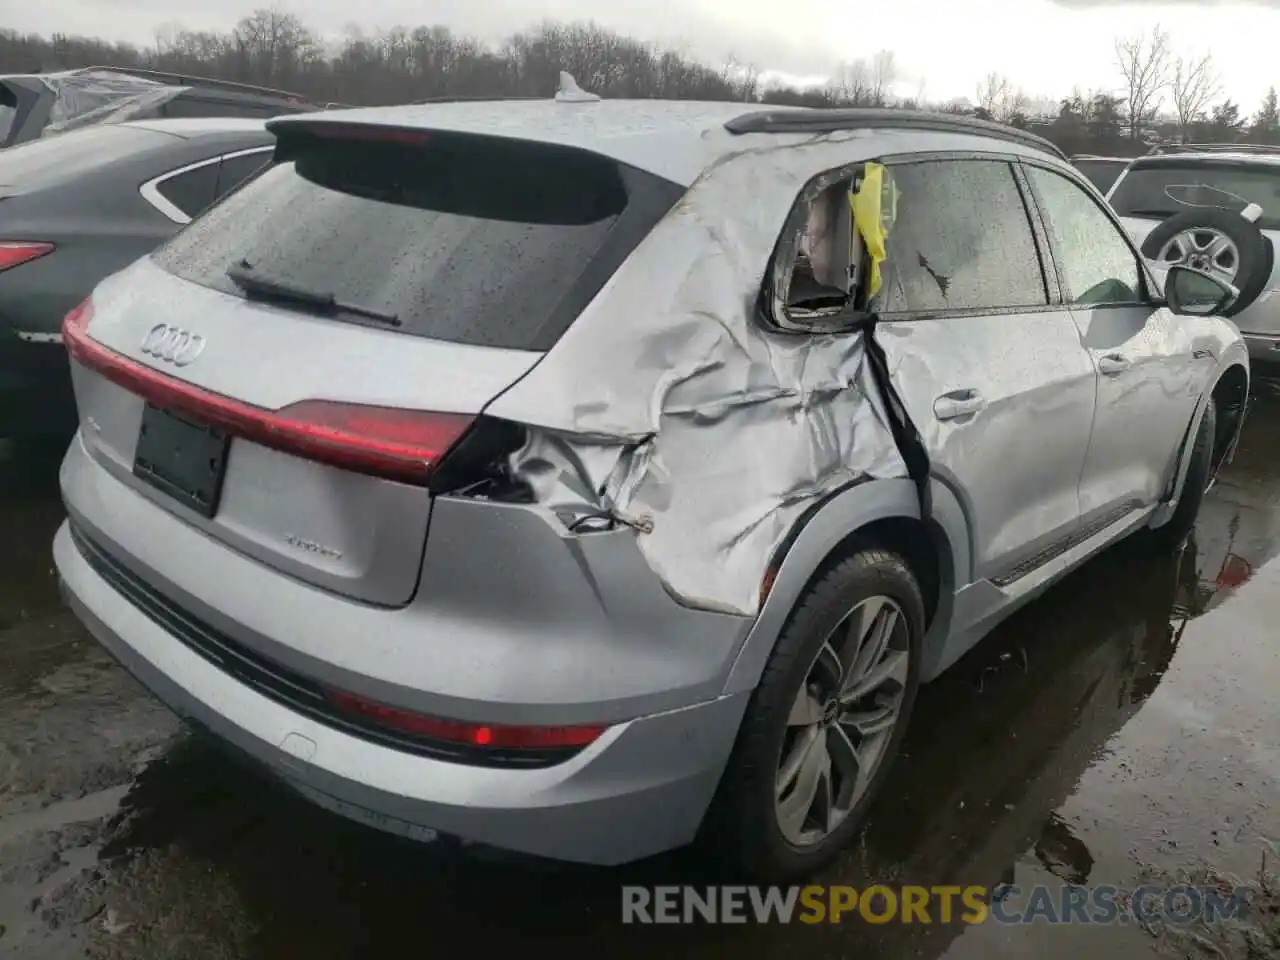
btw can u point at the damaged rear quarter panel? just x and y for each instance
(669, 404)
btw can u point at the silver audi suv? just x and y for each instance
(587, 478)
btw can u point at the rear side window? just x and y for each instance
(1165, 188)
(191, 192)
(467, 239)
(960, 239)
(235, 170)
(8, 111)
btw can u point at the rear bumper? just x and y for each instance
(642, 788)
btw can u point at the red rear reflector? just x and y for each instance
(380, 441)
(15, 252)
(455, 731)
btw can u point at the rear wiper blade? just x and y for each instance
(246, 277)
(1146, 213)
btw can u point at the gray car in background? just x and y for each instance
(80, 206)
(586, 478)
(35, 105)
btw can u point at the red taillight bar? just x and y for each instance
(15, 252)
(473, 734)
(381, 441)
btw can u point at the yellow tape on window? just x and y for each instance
(874, 207)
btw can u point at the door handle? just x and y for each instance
(1112, 364)
(957, 404)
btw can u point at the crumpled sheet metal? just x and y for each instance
(101, 96)
(669, 405)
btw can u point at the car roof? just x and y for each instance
(1212, 157)
(187, 127)
(676, 139)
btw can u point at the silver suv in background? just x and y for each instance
(586, 478)
(1215, 209)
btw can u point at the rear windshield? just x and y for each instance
(470, 240)
(1162, 191)
(1101, 173)
(47, 161)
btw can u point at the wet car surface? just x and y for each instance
(1124, 728)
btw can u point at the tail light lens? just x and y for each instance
(470, 734)
(387, 442)
(16, 252)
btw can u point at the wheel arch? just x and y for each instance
(885, 512)
(1231, 392)
(1230, 389)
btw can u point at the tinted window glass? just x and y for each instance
(236, 170)
(8, 111)
(1097, 264)
(1101, 173)
(67, 155)
(193, 191)
(472, 241)
(1167, 188)
(960, 239)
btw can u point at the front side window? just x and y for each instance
(1097, 264)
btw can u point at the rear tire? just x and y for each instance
(1199, 474)
(757, 824)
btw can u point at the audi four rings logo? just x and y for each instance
(172, 345)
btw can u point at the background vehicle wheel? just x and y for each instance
(1218, 241)
(1199, 476)
(825, 722)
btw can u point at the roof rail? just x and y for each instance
(161, 76)
(470, 100)
(831, 120)
(1161, 149)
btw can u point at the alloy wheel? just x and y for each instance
(1203, 249)
(842, 721)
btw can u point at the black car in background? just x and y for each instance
(39, 105)
(1101, 171)
(77, 207)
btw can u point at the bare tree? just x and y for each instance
(992, 91)
(1194, 85)
(1143, 61)
(852, 83)
(884, 71)
(1013, 105)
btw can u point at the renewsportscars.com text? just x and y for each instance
(1007, 904)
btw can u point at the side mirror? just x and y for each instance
(1195, 293)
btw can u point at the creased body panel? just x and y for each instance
(671, 404)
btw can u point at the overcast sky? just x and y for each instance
(1045, 46)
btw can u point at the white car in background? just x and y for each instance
(1215, 208)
